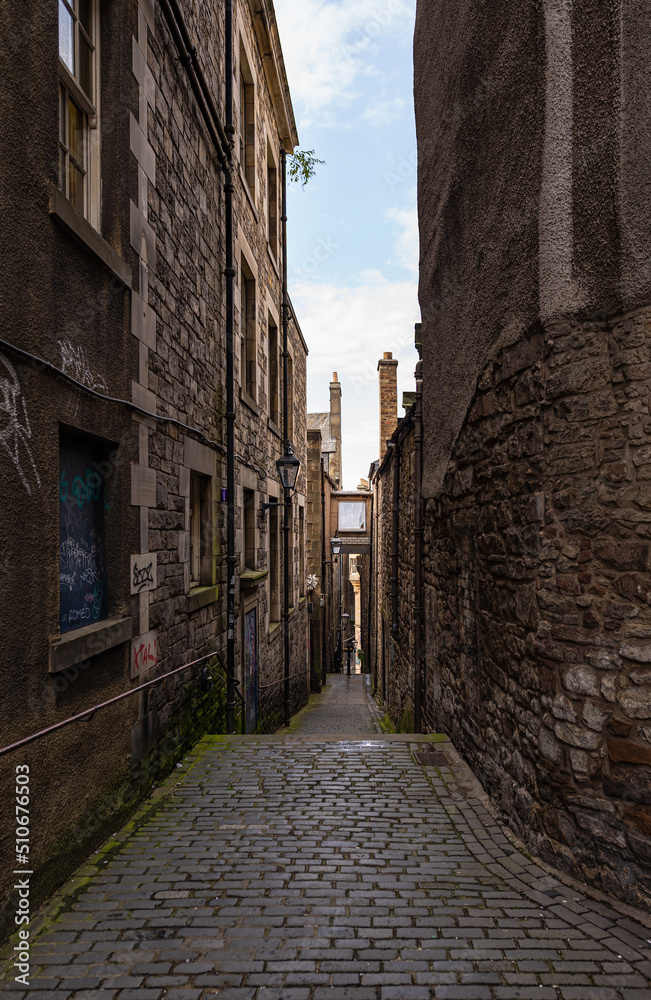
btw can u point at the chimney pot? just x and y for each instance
(388, 369)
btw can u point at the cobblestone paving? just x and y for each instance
(343, 709)
(308, 867)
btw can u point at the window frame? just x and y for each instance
(247, 122)
(80, 493)
(71, 92)
(249, 525)
(274, 563)
(274, 371)
(273, 214)
(248, 331)
(200, 531)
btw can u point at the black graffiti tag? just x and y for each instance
(143, 576)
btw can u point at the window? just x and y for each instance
(301, 551)
(78, 87)
(274, 562)
(247, 122)
(200, 531)
(248, 369)
(250, 560)
(272, 203)
(290, 398)
(352, 516)
(83, 596)
(274, 395)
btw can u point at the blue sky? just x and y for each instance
(352, 232)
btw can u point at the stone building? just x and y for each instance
(130, 291)
(323, 598)
(534, 129)
(329, 424)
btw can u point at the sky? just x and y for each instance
(352, 231)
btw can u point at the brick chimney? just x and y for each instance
(335, 428)
(388, 369)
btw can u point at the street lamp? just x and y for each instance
(288, 467)
(335, 544)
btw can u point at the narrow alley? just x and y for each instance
(330, 861)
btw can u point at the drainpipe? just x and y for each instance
(323, 578)
(395, 461)
(231, 558)
(288, 495)
(419, 610)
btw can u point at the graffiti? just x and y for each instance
(77, 562)
(82, 492)
(143, 572)
(144, 653)
(75, 363)
(142, 576)
(15, 430)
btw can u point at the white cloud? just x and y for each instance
(328, 46)
(347, 329)
(407, 240)
(381, 113)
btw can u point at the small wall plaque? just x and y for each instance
(144, 654)
(143, 572)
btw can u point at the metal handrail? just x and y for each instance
(87, 715)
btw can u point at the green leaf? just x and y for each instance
(302, 166)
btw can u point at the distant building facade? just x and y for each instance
(114, 386)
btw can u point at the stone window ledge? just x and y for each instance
(272, 258)
(199, 597)
(274, 630)
(251, 578)
(91, 640)
(79, 227)
(249, 194)
(250, 402)
(274, 428)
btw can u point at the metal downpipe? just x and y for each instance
(287, 493)
(418, 551)
(231, 558)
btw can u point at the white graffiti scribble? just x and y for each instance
(15, 431)
(74, 362)
(76, 560)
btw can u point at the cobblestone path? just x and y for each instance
(343, 709)
(310, 867)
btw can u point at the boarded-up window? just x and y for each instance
(83, 598)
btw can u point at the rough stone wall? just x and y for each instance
(394, 648)
(538, 597)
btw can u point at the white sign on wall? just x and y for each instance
(143, 572)
(144, 654)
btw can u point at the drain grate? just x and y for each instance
(432, 758)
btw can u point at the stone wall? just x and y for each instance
(133, 309)
(538, 597)
(393, 654)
